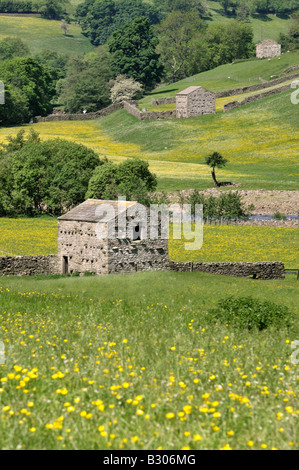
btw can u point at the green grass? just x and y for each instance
(220, 243)
(228, 76)
(124, 362)
(230, 243)
(264, 26)
(259, 140)
(40, 34)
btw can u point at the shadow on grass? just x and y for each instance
(162, 92)
(261, 17)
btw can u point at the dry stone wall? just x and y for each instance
(125, 257)
(250, 99)
(79, 116)
(263, 270)
(258, 86)
(28, 265)
(144, 116)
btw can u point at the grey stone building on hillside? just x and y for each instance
(106, 237)
(195, 101)
(267, 49)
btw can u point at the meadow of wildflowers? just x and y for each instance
(220, 243)
(125, 363)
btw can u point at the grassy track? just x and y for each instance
(123, 362)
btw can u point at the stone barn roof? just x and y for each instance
(268, 42)
(87, 211)
(190, 90)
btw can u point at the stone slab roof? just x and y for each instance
(189, 90)
(90, 210)
(268, 42)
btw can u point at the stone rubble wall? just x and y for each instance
(262, 270)
(250, 99)
(167, 100)
(28, 265)
(79, 116)
(258, 86)
(146, 255)
(144, 116)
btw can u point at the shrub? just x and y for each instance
(279, 216)
(250, 313)
(228, 205)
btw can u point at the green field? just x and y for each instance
(40, 34)
(220, 243)
(264, 26)
(124, 362)
(259, 140)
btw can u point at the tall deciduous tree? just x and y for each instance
(26, 78)
(178, 36)
(100, 18)
(134, 54)
(86, 85)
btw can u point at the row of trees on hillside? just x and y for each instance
(51, 9)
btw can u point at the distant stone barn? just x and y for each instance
(104, 237)
(267, 49)
(195, 101)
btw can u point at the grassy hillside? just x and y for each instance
(228, 76)
(259, 140)
(264, 26)
(40, 33)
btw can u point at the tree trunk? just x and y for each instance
(214, 178)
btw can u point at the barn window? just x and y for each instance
(136, 233)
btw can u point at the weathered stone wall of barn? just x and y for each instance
(196, 103)
(86, 251)
(131, 256)
(264, 50)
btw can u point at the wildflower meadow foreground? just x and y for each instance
(92, 364)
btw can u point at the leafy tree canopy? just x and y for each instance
(28, 86)
(51, 176)
(100, 18)
(13, 47)
(134, 54)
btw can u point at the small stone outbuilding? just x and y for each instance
(195, 101)
(267, 49)
(104, 237)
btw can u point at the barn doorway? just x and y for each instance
(65, 265)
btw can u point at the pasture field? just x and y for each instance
(40, 34)
(124, 362)
(259, 140)
(264, 26)
(229, 243)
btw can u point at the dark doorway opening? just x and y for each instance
(65, 264)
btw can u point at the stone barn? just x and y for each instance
(195, 101)
(268, 48)
(106, 237)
